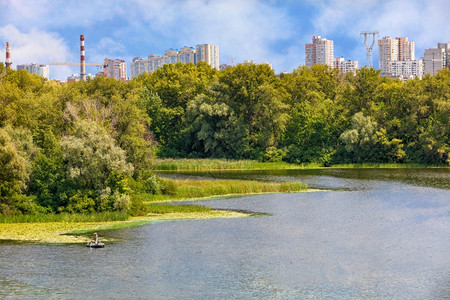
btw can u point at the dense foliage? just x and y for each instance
(88, 146)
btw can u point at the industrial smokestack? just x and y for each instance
(82, 60)
(8, 56)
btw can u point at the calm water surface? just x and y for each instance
(380, 234)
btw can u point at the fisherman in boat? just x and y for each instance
(95, 238)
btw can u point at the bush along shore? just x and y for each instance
(76, 227)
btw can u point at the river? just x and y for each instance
(378, 234)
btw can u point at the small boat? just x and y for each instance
(95, 245)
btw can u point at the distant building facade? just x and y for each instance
(187, 55)
(209, 54)
(446, 47)
(346, 66)
(116, 68)
(397, 50)
(407, 69)
(41, 70)
(76, 77)
(251, 62)
(436, 58)
(206, 52)
(319, 52)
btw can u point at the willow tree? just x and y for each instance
(13, 173)
(97, 167)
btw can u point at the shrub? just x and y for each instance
(122, 202)
(152, 185)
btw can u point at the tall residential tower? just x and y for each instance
(209, 54)
(319, 52)
(389, 50)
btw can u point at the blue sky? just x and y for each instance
(275, 31)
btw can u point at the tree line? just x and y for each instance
(88, 146)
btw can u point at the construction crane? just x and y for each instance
(75, 64)
(104, 65)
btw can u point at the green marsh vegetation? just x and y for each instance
(192, 189)
(204, 164)
(198, 164)
(92, 147)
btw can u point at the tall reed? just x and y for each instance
(189, 189)
(216, 164)
(66, 217)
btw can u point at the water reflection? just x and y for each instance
(329, 178)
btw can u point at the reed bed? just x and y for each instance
(66, 217)
(79, 232)
(185, 164)
(191, 189)
(167, 208)
(216, 164)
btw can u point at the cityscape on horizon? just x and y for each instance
(396, 59)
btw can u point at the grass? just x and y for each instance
(65, 217)
(223, 164)
(158, 208)
(67, 228)
(192, 189)
(78, 232)
(216, 164)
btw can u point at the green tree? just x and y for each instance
(13, 175)
(91, 154)
(360, 139)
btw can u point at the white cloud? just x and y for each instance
(36, 47)
(424, 22)
(243, 29)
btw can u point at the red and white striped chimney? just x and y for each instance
(82, 60)
(8, 56)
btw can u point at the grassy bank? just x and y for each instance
(75, 228)
(66, 217)
(79, 232)
(217, 164)
(223, 164)
(193, 189)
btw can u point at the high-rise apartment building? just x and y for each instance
(41, 70)
(446, 47)
(390, 50)
(387, 52)
(319, 52)
(116, 68)
(406, 69)
(406, 49)
(186, 55)
(346, 66)
(138, 66)
(209, 54)
(434, 60)
(206, 52)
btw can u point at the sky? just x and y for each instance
(274, 31)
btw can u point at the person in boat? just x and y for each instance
(95, 238)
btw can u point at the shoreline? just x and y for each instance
(79, 232)
(76, 232)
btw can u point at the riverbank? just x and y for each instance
(191, 189)
(185, 164)
(79, 232)
(62, 229)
